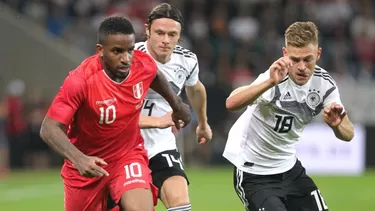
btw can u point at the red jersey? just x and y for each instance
(102, 114)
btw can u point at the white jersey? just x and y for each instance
(263, 140)
(181, 70)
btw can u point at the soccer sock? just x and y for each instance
(181, 208)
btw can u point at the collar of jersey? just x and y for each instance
(119, 83)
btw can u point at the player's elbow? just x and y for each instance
(42, 132)
(232, 105)
(45, 129)
(348, 137)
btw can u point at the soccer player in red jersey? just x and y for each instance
(93, 123)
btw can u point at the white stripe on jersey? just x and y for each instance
(263, 139)
(181, 70)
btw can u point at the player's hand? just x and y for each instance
(181, 117)
(90, 167)
(204, 133)
(279, 69)
(165, 121)
(333, 114)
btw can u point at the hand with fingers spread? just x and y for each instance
(334, 114)
(89, 166)
(279, 69)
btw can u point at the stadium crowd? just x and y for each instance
(234, 40)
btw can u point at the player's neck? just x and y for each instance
(160, 59)
(296, 83)
(116, 78)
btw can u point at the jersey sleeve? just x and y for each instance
(193, 77)
(332, 95)
(68, 99)
(268, 95)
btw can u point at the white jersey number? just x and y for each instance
(148, 105)
(108, 115)
(171, 159)
(133, 170)
(283, 123)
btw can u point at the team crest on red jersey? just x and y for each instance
(138, 90)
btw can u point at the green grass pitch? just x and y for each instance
(210, 189)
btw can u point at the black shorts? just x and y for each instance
(289, 191)
(164, 165)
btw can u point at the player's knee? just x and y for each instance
(273, 203)
(137, 200)
(137, 206)
(175, 199)
(174, 192)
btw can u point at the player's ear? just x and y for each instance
(147, 30)
(285, 51)
(99, 50)
(319, 52)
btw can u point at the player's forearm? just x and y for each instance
(161, 85)
(55, 137)
(148, 122)
(246, 95)
(345, 130)
(198, 99)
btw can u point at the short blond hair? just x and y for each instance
(301, 34)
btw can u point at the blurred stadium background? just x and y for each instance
(235, 40)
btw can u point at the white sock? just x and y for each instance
(180, 208)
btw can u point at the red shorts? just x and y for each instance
(93, 195)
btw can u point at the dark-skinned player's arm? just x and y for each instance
(181, 111)
(52, 132)
(53, 128)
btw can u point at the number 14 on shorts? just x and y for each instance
(171, 159)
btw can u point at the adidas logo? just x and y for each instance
(287, 96)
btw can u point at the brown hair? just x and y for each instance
(165, 10)
(301, 34)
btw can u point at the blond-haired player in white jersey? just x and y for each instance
(280, 103)
(180, 67)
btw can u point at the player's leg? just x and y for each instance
(131, 186)
(312, 202)
(258, 192)
(174, 194)
(90, 198)
(303, 193)
(138, 199)
(169, 177)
